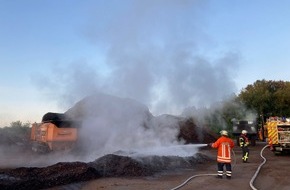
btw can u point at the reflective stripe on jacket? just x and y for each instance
(224, 145)
(243, 141)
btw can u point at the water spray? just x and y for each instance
(171, 150)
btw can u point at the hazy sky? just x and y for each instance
(167, 54)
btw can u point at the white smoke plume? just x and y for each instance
(112, 124)
(156, 52)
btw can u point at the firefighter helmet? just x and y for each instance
(244, 132)
(224, 132)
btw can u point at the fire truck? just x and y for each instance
(278, 134)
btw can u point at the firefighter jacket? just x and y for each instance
(224, 145)
(243, 141)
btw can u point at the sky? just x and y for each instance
(166, 54)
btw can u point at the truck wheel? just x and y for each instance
(40, 148)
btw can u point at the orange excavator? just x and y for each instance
(55, 132)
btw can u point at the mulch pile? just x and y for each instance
(191, 132)
(39, 178)
(107, 166)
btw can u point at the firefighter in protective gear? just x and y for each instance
(244, 143)
(224, 145)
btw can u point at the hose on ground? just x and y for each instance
(258, 170)
(186, 181)
(200, 175)
(251, 181)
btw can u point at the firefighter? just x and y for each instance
(244, 143)
(224, 145)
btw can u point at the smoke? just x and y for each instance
(112, 124)
(156, 52)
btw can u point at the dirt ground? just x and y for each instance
(274, 174)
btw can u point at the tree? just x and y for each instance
(282, 95)
(19, 124)
(17, 132)
(268, 98)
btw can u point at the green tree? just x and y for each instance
(282, 97)
(17, 132)
(268, 98)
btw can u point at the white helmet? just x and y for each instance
(244, 132)
(224, 132)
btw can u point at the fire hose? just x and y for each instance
(186, 181)
(251, 181)
(200, 175)
(258, 170)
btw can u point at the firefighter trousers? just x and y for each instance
(245, 154)
(228, 167)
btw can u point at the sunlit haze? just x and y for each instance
(165, 54)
